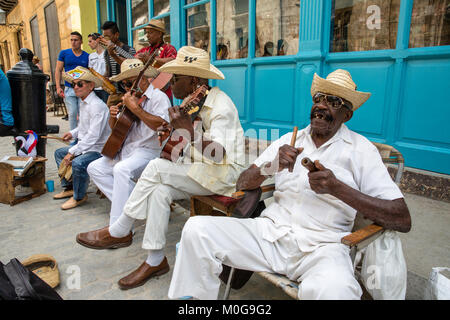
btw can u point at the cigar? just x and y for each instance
(308, 164)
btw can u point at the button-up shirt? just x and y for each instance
(140, 136)
(97, 62)
(318, 219)
(220, 123)
(93, 129)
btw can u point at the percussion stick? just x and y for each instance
(53, 137)
(308, 164)
(294, 136)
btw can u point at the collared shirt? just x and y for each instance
(97, 62)
(220, 123)
(140, 136)
(93, 129)
(317, 219)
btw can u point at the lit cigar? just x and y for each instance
(308, 164)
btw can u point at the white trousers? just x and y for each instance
(161, 182)
(115, 178)
(207, 242)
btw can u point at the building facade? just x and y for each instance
(44, 26)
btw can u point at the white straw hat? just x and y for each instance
(131, 67)
(81, 73)
(340, 83)
(192, 61)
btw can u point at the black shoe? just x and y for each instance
(65, 118)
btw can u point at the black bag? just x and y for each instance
(248, 207)
(19, 283)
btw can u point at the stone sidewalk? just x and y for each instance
(40, 226)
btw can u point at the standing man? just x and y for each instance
(116, 177)
(91, 134)
(299, 234)
(69, 59)
(97, 62)
(218, 147)
(6, 117)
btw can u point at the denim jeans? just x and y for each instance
(80, 177)
(73, 106)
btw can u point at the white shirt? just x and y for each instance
(318, 219)
(140, 136)
(97, 62)
(93, 129)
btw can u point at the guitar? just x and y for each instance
(126, 118)
(175, 143)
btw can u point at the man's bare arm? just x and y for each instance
(58, 70)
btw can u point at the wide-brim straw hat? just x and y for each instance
(45, 267)
(131, 68)
(81, 73)
(65, 171)
(192, 61)
(158, 25)
(340, 83)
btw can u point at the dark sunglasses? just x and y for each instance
(176, 77)
(78, 84)
(335, 102)
(127, 84)
(94, 35)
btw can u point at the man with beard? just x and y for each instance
(299, 234)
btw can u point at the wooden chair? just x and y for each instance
(363, 233)
(59, 107)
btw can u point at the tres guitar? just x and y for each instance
(126, 118)
(175, 144)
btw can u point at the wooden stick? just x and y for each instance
(52, 137)
(308, 164)
(294, 136)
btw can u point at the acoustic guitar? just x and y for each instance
(126, 118)
(175, 144)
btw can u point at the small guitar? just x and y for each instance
(175, 144)
(125, 119)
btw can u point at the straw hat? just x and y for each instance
(192, 61)
(158, 25)
(45, 267)
(81, 73)
(339, 83)
(130, 68)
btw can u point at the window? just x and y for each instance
(430, 23)
(360, 25)
(139, 12)
(103, 11)
(277, 27)
(139, 39)
(197, 19)
(232, 29)
(161, 7)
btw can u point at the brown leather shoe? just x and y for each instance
(102, 239)
(142, 274)
(72, 203)
(64, 194)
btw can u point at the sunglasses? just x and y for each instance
(176, 77)
(334, 102)
(127, 84)
(94, 35)
(79, 84)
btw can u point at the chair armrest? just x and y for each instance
(360, 235)
(267, 188)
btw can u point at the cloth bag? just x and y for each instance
(384, 269)
(438, 287)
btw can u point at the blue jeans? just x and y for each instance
(80, 177)
(73, 106)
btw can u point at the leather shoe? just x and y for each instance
(72, 203)
(142, 274)
(63, 194)
(102, 239)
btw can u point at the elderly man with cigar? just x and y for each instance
(90, 136)
(299, 234)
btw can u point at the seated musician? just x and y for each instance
(299, 234)
(219, 146)
(116, 177)
(90, 136)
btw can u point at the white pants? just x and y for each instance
(161, 182)
(207, 242)
(115, 178)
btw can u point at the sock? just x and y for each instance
(155, 257)
(121, 227)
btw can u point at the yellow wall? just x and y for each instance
(73, 15)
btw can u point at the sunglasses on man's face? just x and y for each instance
(127, 84)
(79, 84)
(176, 77)
(334, 102)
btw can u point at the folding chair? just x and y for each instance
(364, 231)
